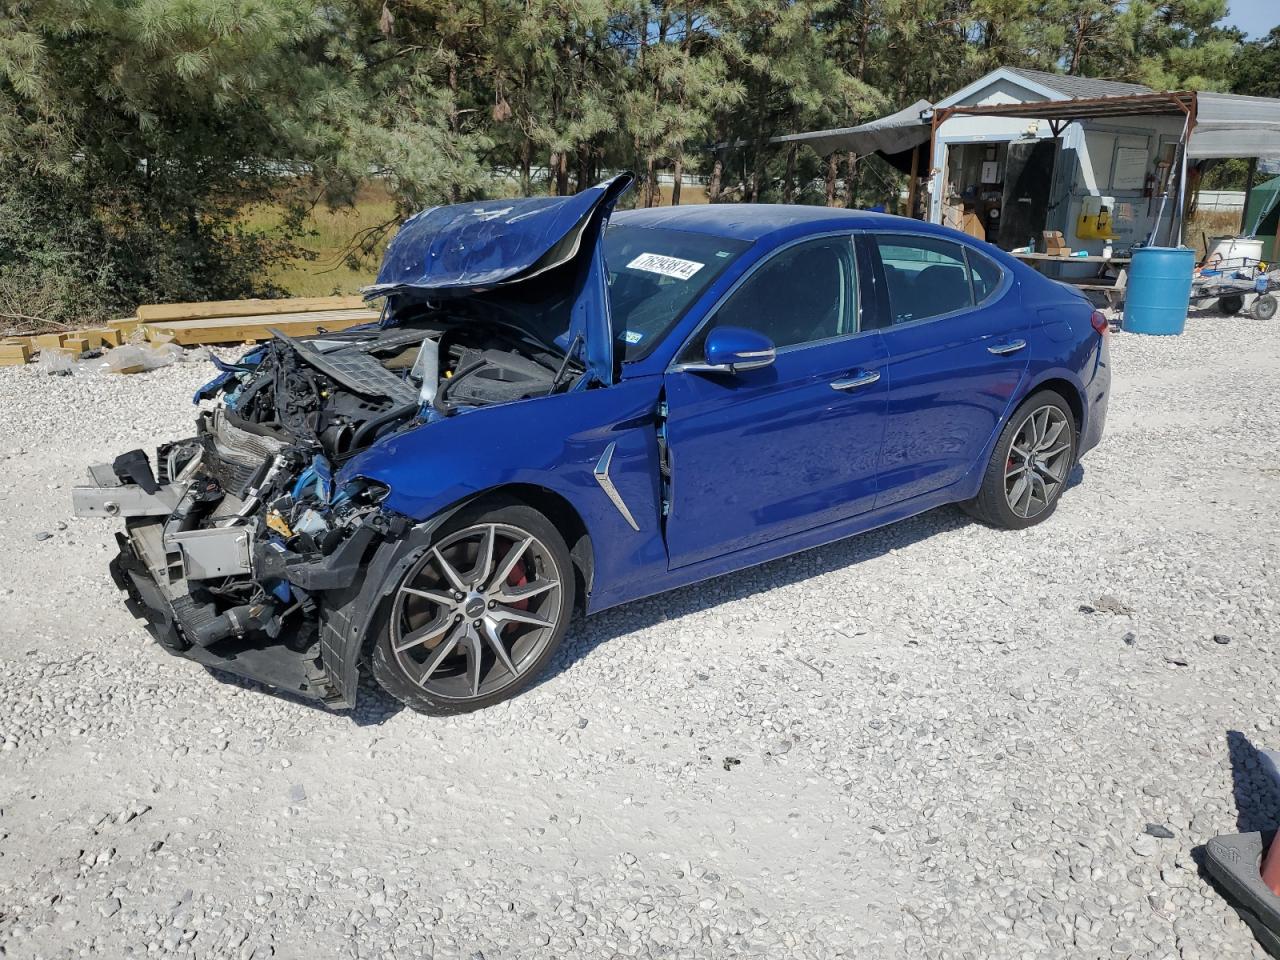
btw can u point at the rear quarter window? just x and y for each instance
(986, 273)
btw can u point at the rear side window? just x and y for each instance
(987, 276)
(926, 277)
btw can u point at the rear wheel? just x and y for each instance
(1230, 304)
(479, 614)
(1029, 466)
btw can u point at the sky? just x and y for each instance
(1254, 17)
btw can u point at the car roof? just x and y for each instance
(756, 221)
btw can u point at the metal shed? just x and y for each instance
(1059, 148)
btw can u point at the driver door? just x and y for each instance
(759, 455)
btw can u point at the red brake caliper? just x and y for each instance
(518, 577)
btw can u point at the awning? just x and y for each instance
(1223, 124)
(1230, 125)
(895, 133)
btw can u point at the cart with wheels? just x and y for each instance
(1235, 282)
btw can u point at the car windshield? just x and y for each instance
(654, 276)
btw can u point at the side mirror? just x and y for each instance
(735, 350)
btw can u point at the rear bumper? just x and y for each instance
(1098, 393)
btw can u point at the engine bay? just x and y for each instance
(340, 392)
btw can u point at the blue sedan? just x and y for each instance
(567, 409)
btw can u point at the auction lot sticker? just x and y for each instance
(667, 266)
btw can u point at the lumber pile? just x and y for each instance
(222, 322)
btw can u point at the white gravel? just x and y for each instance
(912, 744)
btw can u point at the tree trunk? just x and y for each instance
(1077, 50)
(562, 174)
(553, 171)
(760, 165)
(864, 28)
(584, 167)
(525, 150)
(455, 192)
(713, 185)
(789, 181)
(913, 182)
(651, 195)
(678, 173)
(851, 181)
(833, 167)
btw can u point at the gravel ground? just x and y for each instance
(936, 740)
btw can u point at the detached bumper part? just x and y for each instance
(275, 665)
(122, 500)
(154, 570)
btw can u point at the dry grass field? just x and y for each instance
(330, 234)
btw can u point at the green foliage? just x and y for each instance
(140, 139)
(1257, 67)
(140, 129)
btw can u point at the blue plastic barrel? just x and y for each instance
(1159, 290)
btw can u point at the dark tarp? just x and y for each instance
(894, 137)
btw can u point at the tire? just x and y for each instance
(439, 654)
(1009, 462)
(1231, 304)
(1264, 308)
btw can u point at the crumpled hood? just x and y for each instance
(468, 248)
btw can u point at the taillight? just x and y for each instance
(1100, 323)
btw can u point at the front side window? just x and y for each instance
(804, 294)
(926, 277)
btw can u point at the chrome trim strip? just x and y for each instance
(601, 473)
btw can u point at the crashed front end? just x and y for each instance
(238, 537)
(248, 547)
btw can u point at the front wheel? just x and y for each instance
(1264, 308)
(476, 618)
(1029, 466)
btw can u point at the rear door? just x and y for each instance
(761, 454)
(957, 342)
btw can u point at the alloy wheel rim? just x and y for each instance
(476, 611)
(1038, 461)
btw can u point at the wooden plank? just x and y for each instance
(100, 337)
(123, 323)
(14, 354)
(154, 312)
(49, 341)
(75, 345)
(242, 329)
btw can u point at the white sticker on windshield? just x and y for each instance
(667, 266)
(632, 336)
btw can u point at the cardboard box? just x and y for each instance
(1054, 244)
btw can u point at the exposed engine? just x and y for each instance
(241, 528)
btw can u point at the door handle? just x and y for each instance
(1013, 346)
(864, 379)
